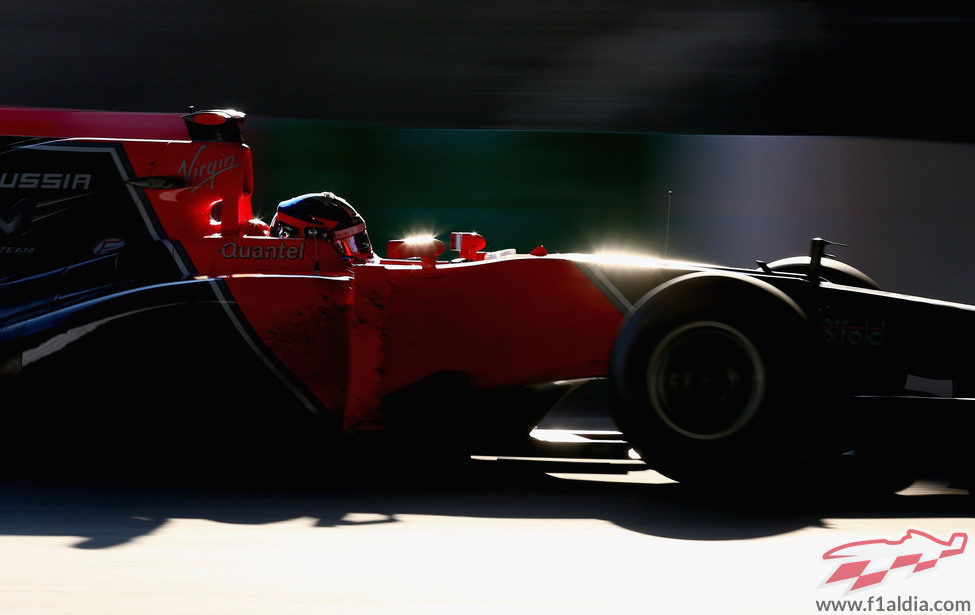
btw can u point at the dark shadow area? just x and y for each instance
(106, 513)
(750, 66)
(120, 490)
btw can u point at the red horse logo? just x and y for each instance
(916, 548)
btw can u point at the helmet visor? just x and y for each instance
(353, 242)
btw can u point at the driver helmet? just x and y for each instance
(323, 215)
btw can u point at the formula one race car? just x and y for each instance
(138, 296)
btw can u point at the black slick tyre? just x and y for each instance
(706, 373)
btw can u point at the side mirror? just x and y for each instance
(817, 251)
(467, 244)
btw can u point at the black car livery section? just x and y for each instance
(72, 228)
(92, 291)
(51, 186)
(129, 354)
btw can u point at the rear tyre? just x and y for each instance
(709, 378)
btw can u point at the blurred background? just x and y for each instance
(565, 123)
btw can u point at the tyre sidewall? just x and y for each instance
(773, 332)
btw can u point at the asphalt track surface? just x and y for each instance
(500, 542)
(505, 536)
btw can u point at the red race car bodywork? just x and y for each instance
(133, 277)
(342, 337)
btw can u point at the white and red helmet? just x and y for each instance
(323, 215)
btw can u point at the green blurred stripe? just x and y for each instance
(568, 191)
